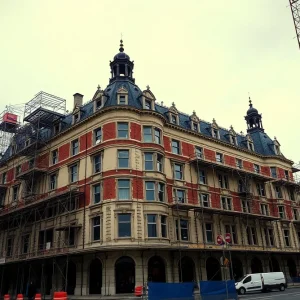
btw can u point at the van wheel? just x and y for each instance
(242, 291)
(281, 287)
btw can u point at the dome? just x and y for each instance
(252, 110)
(122, 55)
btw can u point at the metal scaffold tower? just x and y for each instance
(295, 8)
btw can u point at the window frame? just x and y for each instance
(176, 146)
(177, 197)
(54, 158)
(120, 130)
(219, 157)
(15, 192)
(264, 209)
(129, 189)
(124, 222)
(179, 230)
(201, 200)
(53, 187)
(150, 190)
(71, 174)
(96, 139)
(269, 237)
(98, 164)
(74, 148)
(252, 237)
(94, 193)
(287, 238)
(124, 97)
(209, 230)
(181, 171)
(123, 158)
(226, 203)
(260, 189)
(152, 223)
(233, 233)
(223, 180)
(95, 227)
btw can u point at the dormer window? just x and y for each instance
(195, 122)
(56, 128)
(122, 95)
(147, 104)
(148, 99)
(250, 146)
(173, 119)
(98, 104)
(76, 118)
(215, 130)
(173, 114)
(215, 133)
(276, 147)
(122, 100)
(195, 126)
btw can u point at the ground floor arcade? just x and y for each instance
(118, 272)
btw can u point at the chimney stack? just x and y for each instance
(78, 99)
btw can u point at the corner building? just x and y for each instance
(124, 190)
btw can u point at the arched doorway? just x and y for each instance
(125, 275)
(256, 265)
(292, 267)
(156, 269)
(186, 269)
(70, 278)
(95, 279)
(237, 269)
(213, 270)
(274, 265)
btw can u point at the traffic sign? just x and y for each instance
(220, 240)
(228, 238)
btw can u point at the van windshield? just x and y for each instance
(241, 278)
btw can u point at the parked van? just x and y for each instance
(261, 282)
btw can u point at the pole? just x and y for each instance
(225, 275)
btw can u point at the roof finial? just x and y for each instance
(148, 87)
(250, 101)
(98, 87)
(121, 45)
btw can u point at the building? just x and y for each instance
(124, 190)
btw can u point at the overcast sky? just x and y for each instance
(203, 55)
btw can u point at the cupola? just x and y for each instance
(253, 119)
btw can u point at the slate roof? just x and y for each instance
(262, 142)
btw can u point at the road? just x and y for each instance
(288, 294)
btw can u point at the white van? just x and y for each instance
(261, 282)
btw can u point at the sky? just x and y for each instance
(207, 56)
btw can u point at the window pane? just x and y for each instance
(148, 161)
(163, 226)
(123, 158)
(124, 224)
(124, 189)
(150, 194)
(147, 134)
(123, 130)
(151, 225)
(157, 136)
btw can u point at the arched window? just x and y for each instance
(95, 278)
(213, 269)
(125, 275)
(186, 270)
(156, 269)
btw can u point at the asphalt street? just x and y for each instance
(288, 294)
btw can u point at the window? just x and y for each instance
(123, 189)
(97, 163)
(264, 208)
(199, 152)
(256, 169)
(15, 193)
(232, 230)
(75, 147)
(53, 182)
(147, 134)
(215, 133)
(161, 192)
(219, 157)
(151, 225)
(248, 279)
(286, 174)
(147, 104)
(4, 177)
(122, 100)
(9, 247)
(159, 163)
(18, 170)
(296, 214)
(163, 224)
(241, 186)
(123, 158)
(97, 193)
(74, 173)
(202, 177)
(277, 149)
(97, 135)
(281, 212)
(149, 163)
(273, 172)
(70, 237)
(239, 163)
(246, 206)
(291, 194)
(278, 191)
(226, 203)
(123, 130)
(178, 171)
(269, 236)
(251, 236)
(45, 239)
(223, 181)
(260, 187)
(56, 128)
(180, 195)
(157, 136)
(54, 157)
(96, 223)
(124, 225)
(251, 146)
(75, 118)
(98, 103)
(286, 235)
(2, 198)
(175, 147)
(182, 230)
(31, 164)
(233, 140)
(25, 243)
(209, 233)
(204, 200)
(150, 190)
(173, 119)
(195, 127)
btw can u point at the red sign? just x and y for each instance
(220, 240)
(228, 238)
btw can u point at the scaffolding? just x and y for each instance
(295, 9)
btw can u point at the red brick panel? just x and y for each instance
(109, 188)
(255, 207)
(229, 160)
(237, 203)
(291, 176)
(25, 166)
(86, 141)
(135, 131)
(10, 175)
(109, 131)
(64, 152)
(209, 155)
(192, 196)
(187, 149)
(280, 173)
(169, 193)
(215, 200)
(248, 166)
(85, 199)
(43, 161)
(265, 171)
(288, 209)
(167, 144)
(137, 188)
